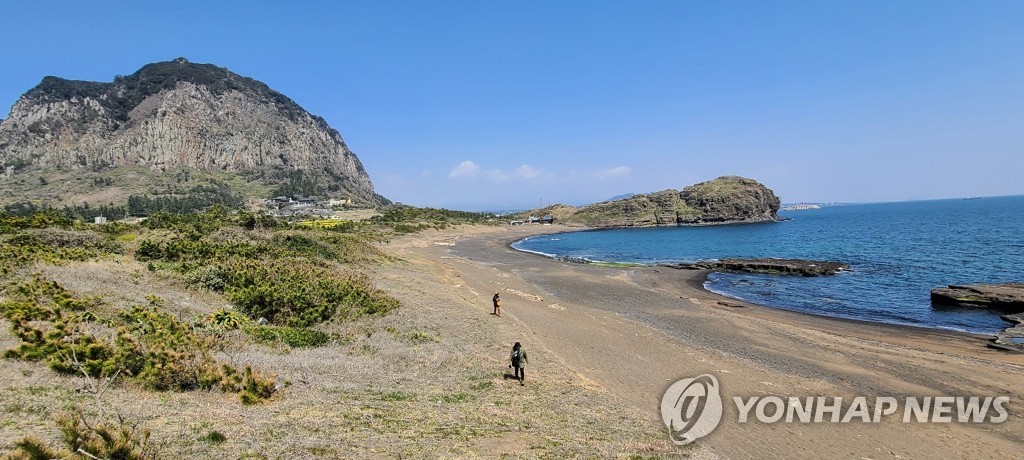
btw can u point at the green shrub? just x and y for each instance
(33, 448)
(255, 389)
(296, 337)
(214, 437)
(422, 337)
(81, 439)
(102, 440)
(295, 293)
(208, 277)
(149, 250)
(143, 344)
(55, 246)
(227, 320)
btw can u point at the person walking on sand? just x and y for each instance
(519, 361)
(497, 304)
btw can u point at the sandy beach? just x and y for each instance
(635, 331)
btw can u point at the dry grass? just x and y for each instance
(426, 381)
(123, 283)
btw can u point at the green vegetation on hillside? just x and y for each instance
(373, 390)
(410, 219)
(281, 281)
(292, 278)
(126, 92)
(115, 193)
(76, 335)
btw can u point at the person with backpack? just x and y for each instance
(519, 361)
(497, 304)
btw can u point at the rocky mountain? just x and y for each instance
(727, 199)
(166, 118)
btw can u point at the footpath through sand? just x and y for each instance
(635, 331)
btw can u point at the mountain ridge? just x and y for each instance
(175, 115)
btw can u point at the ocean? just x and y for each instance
(897, 253)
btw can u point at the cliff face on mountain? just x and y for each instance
(177, 115)
(727, 199)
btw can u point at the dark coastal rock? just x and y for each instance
(574, 260)
(768, 265)
(1005, 296)
(1011, 339)
(726, 303)
(725, 200)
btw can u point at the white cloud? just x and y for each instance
(526, 172)
(612, 172)
(426, 173)
(465, 169)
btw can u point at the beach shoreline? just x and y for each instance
(651, 326)
(697, 279)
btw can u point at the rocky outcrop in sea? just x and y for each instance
(725, 200)
(1003, 297)
(798, 267)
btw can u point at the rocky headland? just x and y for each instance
(725, 200)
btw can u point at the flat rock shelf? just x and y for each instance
(1007, 297)
(798, 267)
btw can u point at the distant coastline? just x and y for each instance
(800, 207)
(889, 280)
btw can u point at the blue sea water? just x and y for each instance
(897, 253)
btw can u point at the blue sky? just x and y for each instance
(496, 105)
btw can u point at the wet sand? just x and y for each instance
(634, 331)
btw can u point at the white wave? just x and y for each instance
(539, 253)
(724, 294)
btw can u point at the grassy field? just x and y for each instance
(403, 371)
(58, 188)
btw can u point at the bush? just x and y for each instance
(296, 337)
(214, 437)
(53, 245)
(88, 440)
(143, 344)
(207, 277)
(227, 320)
(281, 277)
(255, 389)
(422, 337)
(295, 293)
